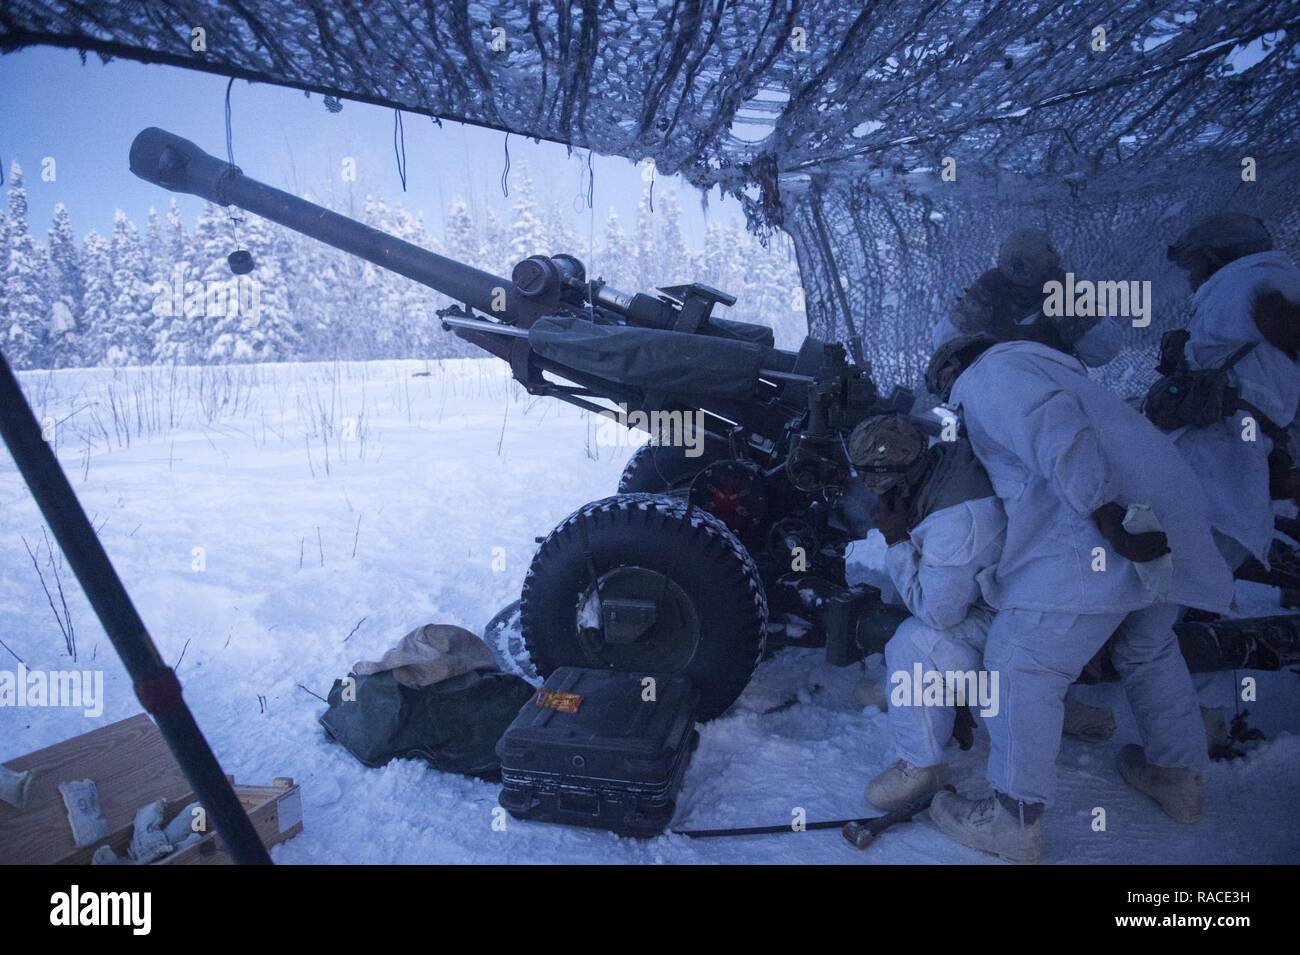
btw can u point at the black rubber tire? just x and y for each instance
(693, 549)
(656, 468)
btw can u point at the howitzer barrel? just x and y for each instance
(177, 164)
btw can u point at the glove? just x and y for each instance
(890, 517)
(1139, 548)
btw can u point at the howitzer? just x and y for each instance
(715, 545)
(709, 553)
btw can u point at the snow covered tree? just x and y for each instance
(461, 234)
(215, 237)
(285, 247)
(615, 256)
(254, 323)
(494, 251)
(557, 228)
(378, 335)
(645, 246)
(155, 241)
(97, 302)
(127, 333)
(306, 301)
(788, 298)
(176, 241)
(24, 296)
(527, 234)
(179, 329)
(673, 259)
(713, 262)
(67, 291)
(416, 322)
(328, 298)
(176, 332)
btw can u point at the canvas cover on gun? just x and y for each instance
(741, 332)
(672, 363)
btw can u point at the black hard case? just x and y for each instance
(616, 764)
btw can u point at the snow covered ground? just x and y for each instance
(276, 523)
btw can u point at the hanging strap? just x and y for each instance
(1237, 356)
(1266, 424)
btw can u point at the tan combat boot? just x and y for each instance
(1178, 791)
(987, 825)
(903, 785)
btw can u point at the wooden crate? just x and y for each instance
(131, 767)
(276, 812)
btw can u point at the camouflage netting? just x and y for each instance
(829, 119)
(895, 263)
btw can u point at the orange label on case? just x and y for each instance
(556, 700)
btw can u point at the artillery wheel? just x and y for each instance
(709, 615)
(656, 468)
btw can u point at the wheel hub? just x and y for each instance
(637, 619)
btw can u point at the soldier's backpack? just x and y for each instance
(1190, 396)
(602, 749)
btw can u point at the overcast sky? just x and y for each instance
(85, 116)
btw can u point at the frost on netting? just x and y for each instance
(896, 142)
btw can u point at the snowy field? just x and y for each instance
(276, 523)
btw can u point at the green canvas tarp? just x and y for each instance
(673, 363)
(453, 725)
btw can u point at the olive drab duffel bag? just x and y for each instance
(437, 695)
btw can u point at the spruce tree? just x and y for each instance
(527, 234)
(615, 260)
(417, 333)
(494, 251)
(460, 232)
(558, 231)
(67, 291)
(132, 312)
(155, 242)
(97, 303)
(26, 306)
(645, 246)
(254, 323)
(672, 253)
(216, 235)
(176, 241)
